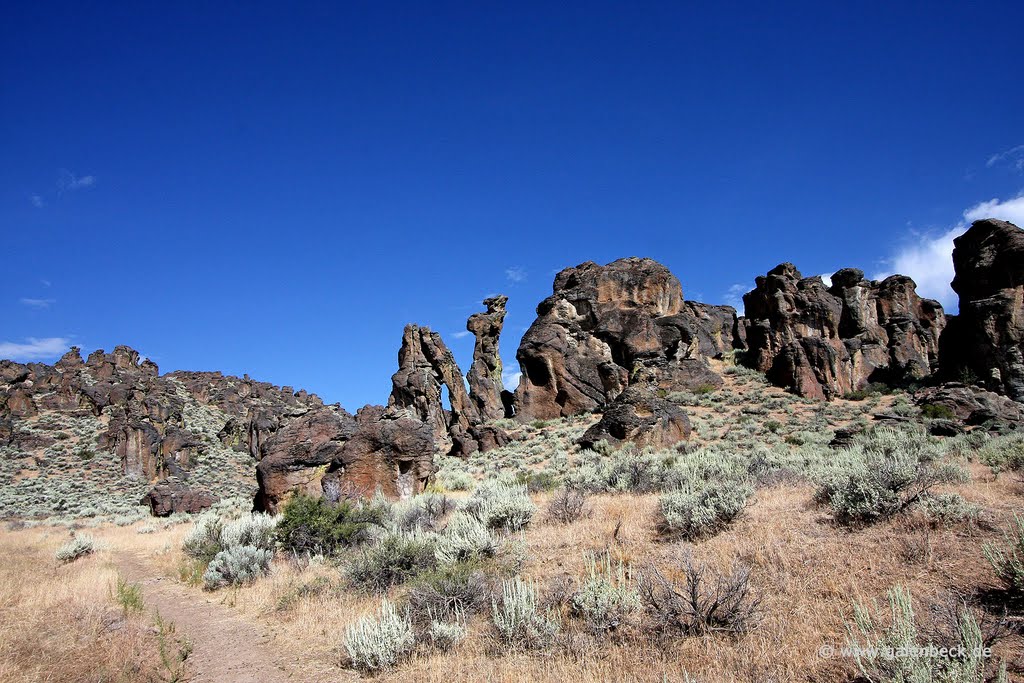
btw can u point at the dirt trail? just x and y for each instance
(226, 647)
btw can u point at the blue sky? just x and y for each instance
(277, 188)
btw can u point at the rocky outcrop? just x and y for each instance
(330, 453)
(114, 425)
(426, 371)
(425, 367)
(823, 342)
(986, 339)
(971, 405)
(485, 384)
(639, 416)
(172, 495)
(603, 324)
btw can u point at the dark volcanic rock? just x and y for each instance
(824, 342)
(485, 385)
(329, 452)
(425, 365)
(603, 325)
(171, 495)
(971, 405)
(639, 416)
(987, 337)
(425, 368)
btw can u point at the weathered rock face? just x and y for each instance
(603, 324)
(172, 495)
(639, 416)
(112, 425)
(425, 366)
(972, 405)
(330, 453)
(824, 342)
(485, 385)
(987, 337)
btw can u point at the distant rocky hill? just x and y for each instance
(103, 434)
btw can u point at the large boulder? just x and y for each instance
(639, 416)
(330, 453)
(972, 405)
(986, 339)
(484, 378)
(823, 342)
(172, 495)
(602, 325)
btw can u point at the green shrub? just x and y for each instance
(202, 542)
(379, 643)
(517, 619)
(1008, 560)
(701, 509)
(449, 592)
(78, 547)
(704, 389)
(129, 597)
(897, 652)
(315, 526)
(935, 411)
(536, 482)
(1003, 453)
(393, 559)
(606, 599)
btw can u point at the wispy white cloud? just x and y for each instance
(35, 349)
(515, 273)
(37, 303)
(37, 201)
(510, 378)
(46, 283)
(734, 296)
(1013, 157)
(69, 182)
(461, 333)
(928, 259)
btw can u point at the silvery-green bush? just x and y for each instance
(235, 565)
(379, 643)
(79, 546)
(256, 530)
(202, 541)
(444, 635)
(883, 474)
(701, 509)
(464, 538)
(1007, 559)
(607, 597)
(500, 504)
(517, 618)
(892, 649)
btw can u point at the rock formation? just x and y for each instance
(328, 452)
(603, 324)
(485, 384)
(823, 342)
(425, 367)
(172, 495)
(986, 339)
(639, 416)
(971, 405)
(427, 370)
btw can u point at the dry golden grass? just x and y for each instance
(61, 623)
(807, 570)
